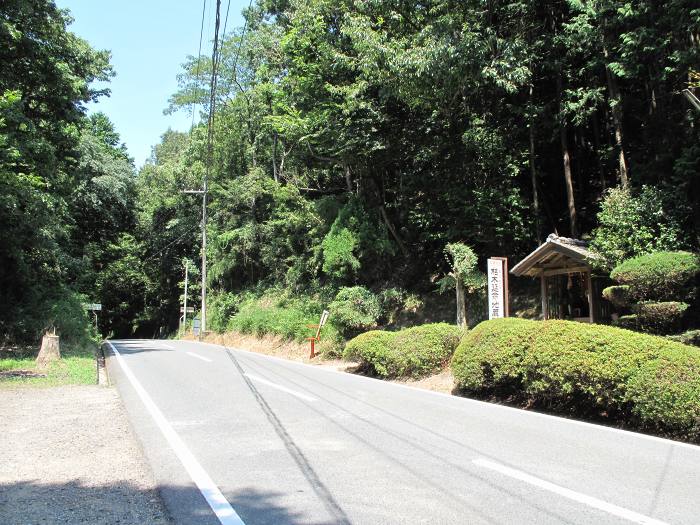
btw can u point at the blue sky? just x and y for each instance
(149, 40)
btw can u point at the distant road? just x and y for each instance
(235, 437)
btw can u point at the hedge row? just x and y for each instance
(651, 381)
(413, 352)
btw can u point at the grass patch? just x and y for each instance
(76, 367)
(287, 319)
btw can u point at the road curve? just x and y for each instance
(236, 437)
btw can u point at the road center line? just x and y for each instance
(596, 503)
(280, 387)
(198, 357)
(216, 500)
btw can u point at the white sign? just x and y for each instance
(97, 307)
(190, 309)
(495, 277)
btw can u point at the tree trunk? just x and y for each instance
(274, 157)
(461, 304)
(566, 157)
(50, 351)
(616, 100)
(533, 174)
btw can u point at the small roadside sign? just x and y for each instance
(196, 326)
(95, 307)
(190, 309)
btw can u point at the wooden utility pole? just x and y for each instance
(184, 315)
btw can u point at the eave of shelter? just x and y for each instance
(556, 256)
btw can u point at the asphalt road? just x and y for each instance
(235, 437)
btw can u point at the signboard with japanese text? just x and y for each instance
(497, 273)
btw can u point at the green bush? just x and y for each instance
(585, 367)
(355, 308)
(666, 390)
(413, 352)
(632, 223)
(222, 307)
(662, 276)
(660, 318)
(371, 348)
(617, 295)
(691, 337)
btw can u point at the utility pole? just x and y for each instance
(184, 315)
(203, 193)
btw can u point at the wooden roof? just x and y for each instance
(556, 256)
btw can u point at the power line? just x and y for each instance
(199, 59)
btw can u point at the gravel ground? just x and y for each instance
(68, 455)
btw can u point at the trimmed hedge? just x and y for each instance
(617, 295)
(413, 352)
(663, 276)
(649, 380)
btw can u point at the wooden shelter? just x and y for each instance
(568, 289)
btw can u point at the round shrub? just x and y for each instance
(660, 318)
(355, 308)
(490, 355)
(371, 349)
(413, 352)
(617, 295)
(425, 349)
(662, 276)
(586, 367)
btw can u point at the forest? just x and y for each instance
(353, 141)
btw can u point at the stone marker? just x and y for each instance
(50, 351)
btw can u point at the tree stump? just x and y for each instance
(50, 351)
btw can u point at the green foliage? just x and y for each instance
(632, 224)
(221, 308)
(659, 276)
(463, 262)
(617, 295)
(354, 237)
(665, 391)
(355, 308)
(413, 352)
(339, 260)
(288, 319)
(660, 318)
(589, 368)
(690, 337)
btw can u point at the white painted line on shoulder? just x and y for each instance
(280, 387)
(216, 500)
(164, 345)
(198, 357)
(596, 503)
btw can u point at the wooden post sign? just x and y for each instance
(498, 287)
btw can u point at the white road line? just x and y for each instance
(218, 503)
(596, 503)
(167, 346)
(280, 387)
(198, 357)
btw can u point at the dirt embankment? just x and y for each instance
(284, 349)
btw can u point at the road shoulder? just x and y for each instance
(69, 456)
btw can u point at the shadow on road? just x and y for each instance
(125, 503)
